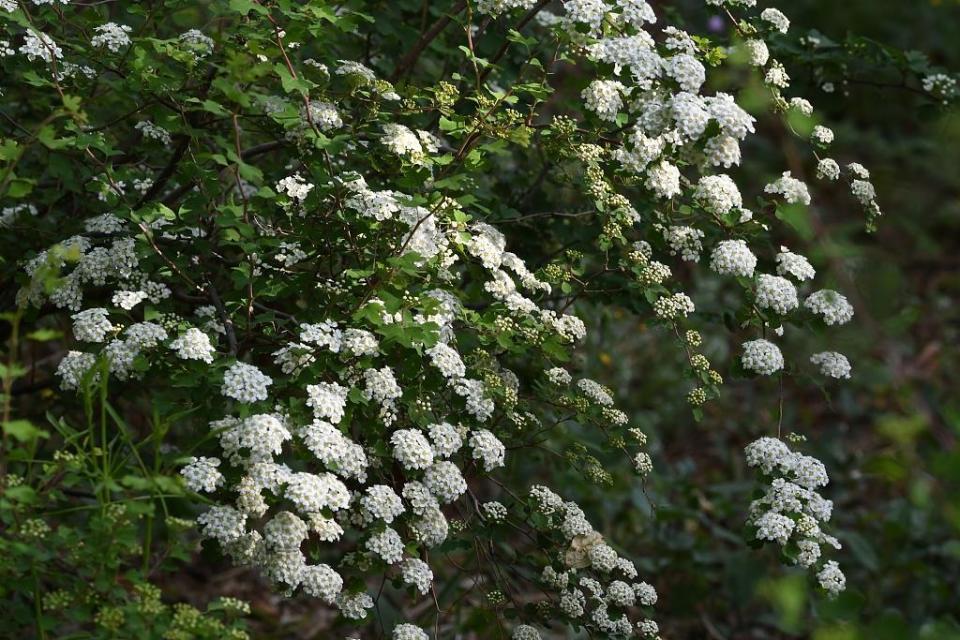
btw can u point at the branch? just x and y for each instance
(410, 59)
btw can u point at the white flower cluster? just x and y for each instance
(792, 513)
(111, 36)
(762, 357)
(593, 584)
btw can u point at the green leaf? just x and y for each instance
(24, 430)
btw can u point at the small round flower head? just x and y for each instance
(648, 628)
(831, 578)
(595, 392)
(832, 306)
(294, 187)
(320, 581)
(822, 135)
(92, 325)
(762, 357)
(409, 632)
(111, 36)
(775, 527)
(431, 528)
(832, 364)
(687, 71)
(776, 293)
(354, 605)
(417, 573)
(718, 194)
(733, 257)
(525, 632)
(193, 344)
(411, 449)
(445, 439)
(642, 463)
(792, 190)
(558, 376)
(445, 481)
(663, 179)
(312, 493)
(285, 531)
(386, 544)
(201, 474)
(73, 368)
(447, 360)
(828, 169)
(605, 98)
(795, 266)
(646, 594)
(245, 383)
(603, 557)
(757, 52)
(382, 503)
(487, 448)
(776, 19)
(328, 401)
(494, 511)
(768, 454)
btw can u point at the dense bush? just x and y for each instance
(395, 306)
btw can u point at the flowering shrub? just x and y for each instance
(266, 231)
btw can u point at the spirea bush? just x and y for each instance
(280, 234)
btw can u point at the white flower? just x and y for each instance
(793, 191)
(832, 579)
(776, 19)
(245, 383)
(328, 401)
(127, 300)
(92, 325)
(411, 449)
(150, 130)
(733, 257)
(663, 179)
(111, 35)
(605, 98)
(386, 544)
(684, 241)
(320, 581)
(447, 360)
(445, 481)
(775, 527)
(525, 632)
(201, 474)
(416, 572)
(39, 45)
(403, 142)
(822, 135)
(354, 605)
(409, 631)
(827, 168)
(445, 439)
(381, 502)
(832, 306)
(761, 356)
(193, 344)
(795, 265)
(558, 376)
(487, 448)
(295, 187)
(776, 293)
(718, 194)
(832, 364)
(757, 52)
